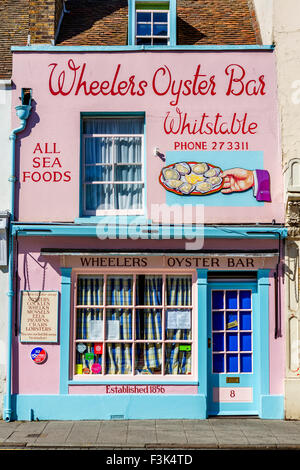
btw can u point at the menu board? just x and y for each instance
(39, 316)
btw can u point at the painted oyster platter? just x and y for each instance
(191, 178)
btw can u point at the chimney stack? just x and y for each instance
(44, 17)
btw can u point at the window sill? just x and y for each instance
(112, 218)
(83, 380)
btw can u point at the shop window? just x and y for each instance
(134, 325)
(232, 348)
(112, 170)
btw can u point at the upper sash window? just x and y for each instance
(152, 27)
(112, 172)
(152, 22)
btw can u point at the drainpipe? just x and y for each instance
(23, 112)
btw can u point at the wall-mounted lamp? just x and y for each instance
(156, 153)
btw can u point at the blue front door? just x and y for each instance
(232, 349)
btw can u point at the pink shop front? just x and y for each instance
(146, 235)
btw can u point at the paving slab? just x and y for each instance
(213, 433)
(84, 433)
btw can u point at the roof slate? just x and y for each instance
(93, 22)
(14, 20)
(99, 22)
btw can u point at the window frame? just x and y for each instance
(133, 377)
(133, 6)
(225, 332)
(153, 36)
(104, 212)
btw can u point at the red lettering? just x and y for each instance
(38, 148)
(47, 176)
(163, 83)
(56, 162)
(67, 176)
(36, 162)
(46, 162)
(66, 81)
(61, 79)
(181, 124)
(238, 83)
(26, 174)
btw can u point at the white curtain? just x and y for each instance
(113, 163)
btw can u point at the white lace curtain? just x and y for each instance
(113, 163)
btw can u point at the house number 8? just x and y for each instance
(232, 393)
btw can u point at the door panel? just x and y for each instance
(232, 349)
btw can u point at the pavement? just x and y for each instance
(211, 434)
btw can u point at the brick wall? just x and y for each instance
(43, 19)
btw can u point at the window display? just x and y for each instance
(134, 324)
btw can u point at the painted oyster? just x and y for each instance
(183, 168)
(212, 172)
(203, 187)
(200, 168)
(186, 188)
(170, 174)
(173, 184)
(215, 181)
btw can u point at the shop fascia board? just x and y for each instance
(72, 230)
(238, 254)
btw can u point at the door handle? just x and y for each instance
(208, 342)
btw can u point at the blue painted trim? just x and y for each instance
(65, 328)
(173, 23)
(246, 380)
(104, 407)
(86, 230)
(145, 194)
(263, 285)
(202, 284)
(272, 407)
(134, 48)
(84, 114)
(131, 23)
(80, 202)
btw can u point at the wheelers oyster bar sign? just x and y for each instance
(173, 262)
(206, 127)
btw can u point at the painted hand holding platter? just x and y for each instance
(191, 178)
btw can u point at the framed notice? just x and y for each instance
(39, 316)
